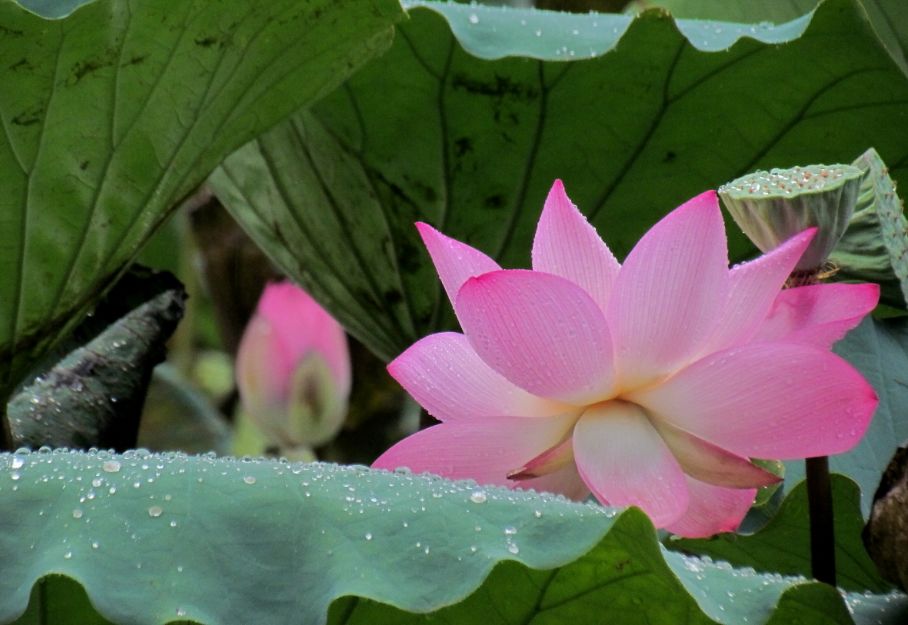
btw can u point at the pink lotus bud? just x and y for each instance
(293, 368)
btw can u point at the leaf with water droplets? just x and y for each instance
(875, 246)
(93, 392)
(166, 536)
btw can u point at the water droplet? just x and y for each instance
(67, 555)
(512, 548)
(474, 19)
(510, 530)
(478, 496)
(155, 511)
(77, 513)
(14, 475)
(368, 535)
(110, 466)
(16, 463)
(249, 479)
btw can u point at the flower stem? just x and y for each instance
(822, 531)
(6, 435)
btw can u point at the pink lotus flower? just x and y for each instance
(650, 383)
(293, 368)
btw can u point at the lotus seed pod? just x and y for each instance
(771, 207)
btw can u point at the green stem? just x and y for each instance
(6, 434)
(822, 530)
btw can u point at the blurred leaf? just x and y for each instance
(875, 246)
(878, 348)
(283, 541)
(93, 396)
(114, 113)
(431, 132)
(783, 545)
(178, 417)
(234, 270)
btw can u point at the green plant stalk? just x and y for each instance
(6, 431)
(822, 528)
(819, 491)
(6, 434)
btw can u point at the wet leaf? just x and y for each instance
(875, 246)
(93, 396)
(155, 538)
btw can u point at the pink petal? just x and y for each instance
(754, 287)
(712, 509)
(447, 378)
(302, 326)
(767, 400)
(454, 261)
(670, 292)
(565, 481)
(624, 462)
(542, 332)
(820, 314)
(568, 246)
(485, 450)
(549, 461)
(707, 462)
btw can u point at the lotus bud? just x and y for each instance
(293, 369)
(771, 207)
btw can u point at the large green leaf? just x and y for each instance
(431, 132)
(879, 350)
(113, 113)
(154, 538)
